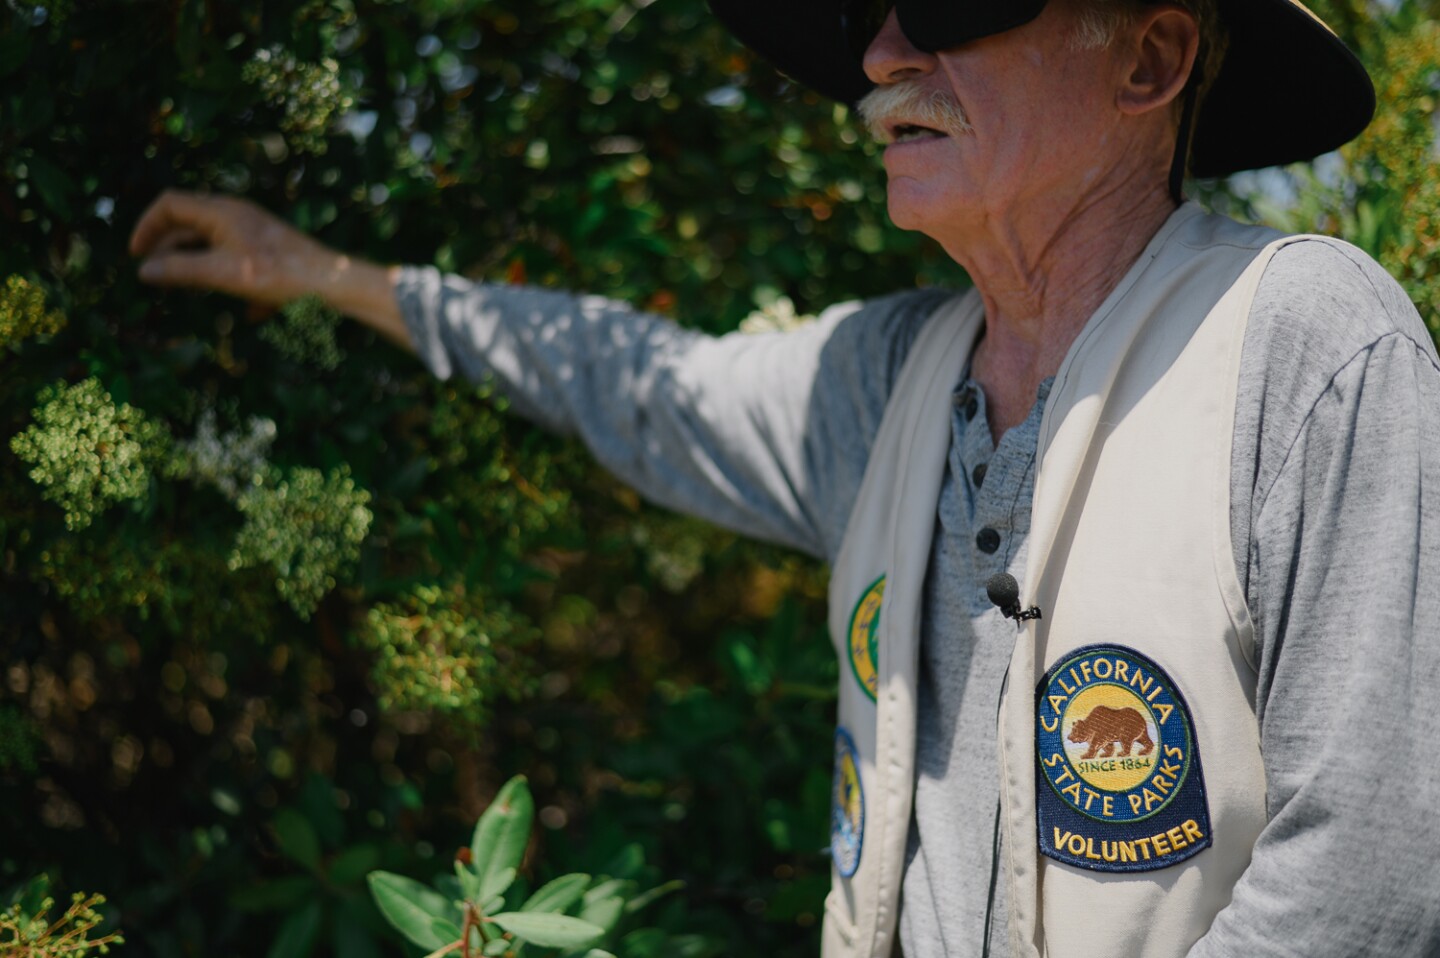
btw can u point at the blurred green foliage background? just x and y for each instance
(277, 608)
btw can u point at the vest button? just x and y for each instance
(987, 540)
(977, 476)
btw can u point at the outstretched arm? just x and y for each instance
(766, 434)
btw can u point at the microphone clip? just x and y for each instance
(1004, 592)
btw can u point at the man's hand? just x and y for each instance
(233, 246)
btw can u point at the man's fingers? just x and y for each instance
(178, 268)
(174, 210)
(179, 239)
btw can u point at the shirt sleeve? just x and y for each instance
(735, 429)
(1343, 558)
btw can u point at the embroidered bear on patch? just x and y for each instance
(1112, 727)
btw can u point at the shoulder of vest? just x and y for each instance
(1213, 230)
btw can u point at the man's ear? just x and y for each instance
(1161, 45)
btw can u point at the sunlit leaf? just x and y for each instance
(413, 910)
(549, 931)
(501, 835)
(557, 895)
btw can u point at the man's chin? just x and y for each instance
(911, 207)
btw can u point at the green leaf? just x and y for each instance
(297, 838)
(611, 887)
(353, 864)
(53, 184)
(445, 930)
(469, 881)
(14, 48)
(501, 835)
(413, 909)
(496, 946)
(30, 895)
(605, 912)
(297, 934)
(659, 891)
(549, 931)
(644, 943)
(352, 940)
(496, 883)
(281, 893)
(557, 895)
(626, 863)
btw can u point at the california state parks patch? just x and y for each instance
(1119, 787)
(863, 638)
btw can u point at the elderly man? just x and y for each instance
(1130, 542)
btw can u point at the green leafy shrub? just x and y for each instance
(307, 333)
(482, 910)
(19, 741)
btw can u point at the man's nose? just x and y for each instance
(891, 57)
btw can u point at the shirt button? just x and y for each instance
(987, 540)
(978, 475)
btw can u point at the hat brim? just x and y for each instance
(1288, 90)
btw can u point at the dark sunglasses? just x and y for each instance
(933, 24)
(860, 21)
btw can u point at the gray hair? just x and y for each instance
(1101, 20)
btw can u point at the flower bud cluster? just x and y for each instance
(87, 452)
(446, 649)
(33, 933)
(312, 94)
(305, 526)
(23, 314)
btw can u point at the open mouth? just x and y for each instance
(909, 132)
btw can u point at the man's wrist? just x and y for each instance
(362, 290)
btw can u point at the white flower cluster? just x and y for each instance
(778, 317)
(231, 461)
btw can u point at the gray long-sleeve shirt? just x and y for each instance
(1336, 540)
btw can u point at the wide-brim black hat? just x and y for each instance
(1288, 88)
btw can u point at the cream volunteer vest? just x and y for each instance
(1118, 840)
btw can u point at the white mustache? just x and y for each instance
(909, 102)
